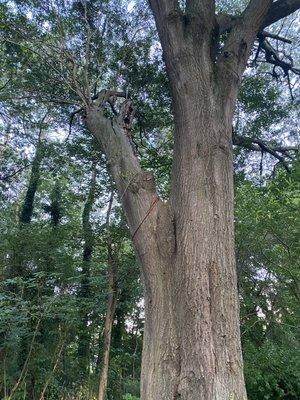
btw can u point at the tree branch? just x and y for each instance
(278, 10)
(277, 37)
(168, 18)
(234, 56)
(273, 57)
(7, 177)
(136, 187)
(278, 58)
(254, 144)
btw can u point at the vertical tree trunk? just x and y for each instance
(18, 266)
(185, 248)
(110, 311)
(192, 344)
(27, 206)
(111, 306)
(119, 327)
(85, 292)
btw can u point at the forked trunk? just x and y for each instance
(185, 248)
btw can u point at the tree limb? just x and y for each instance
(72, 116)
(233, 59)
(136, 187)
(276, 58)
(7, 177)
(273, 57)
(254, 144)
(278, 10)
(168, 18)
(277, 37)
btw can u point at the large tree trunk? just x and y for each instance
(192, 344)
(185, 246)
(186, 251)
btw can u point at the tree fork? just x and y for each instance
(185, 246)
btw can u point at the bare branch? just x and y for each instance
(277, 37)
(277, 58)
(279, 152)
(7, 177)
(5, 84)
(273, 57)
(72, 116)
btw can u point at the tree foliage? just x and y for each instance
(53, 297)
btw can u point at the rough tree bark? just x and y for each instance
(185, 246)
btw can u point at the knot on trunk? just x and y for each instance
(148, 182)
(174, 15)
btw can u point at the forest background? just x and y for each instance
(71, 314)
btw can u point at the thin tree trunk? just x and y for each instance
(56, 360)
(119, 326)
(27, 206)
(18, 267)
(85, 291)
(24, 370)
(110, 311)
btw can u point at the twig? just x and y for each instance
(7, 177)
